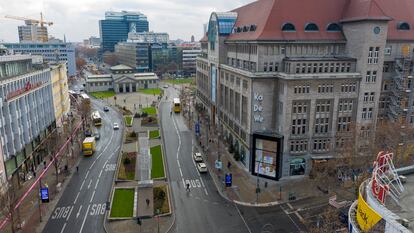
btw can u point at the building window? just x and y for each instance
(301, 89)
(366, 94)
(344, 124)
(288, 27)
(322, 115)
(371, 97)
(403, 26)
(376, 55)
(311, 27)
(298, 146)
(348, 87)
(299, 117)
(369, 113)
(345, 106)
(325, 88)
(387, 50)
(321, 145)
(364, 113)
(370, 55)
(333, 27)
(265, 67)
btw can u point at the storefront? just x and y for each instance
(266, 155)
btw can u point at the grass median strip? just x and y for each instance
(150, 110)
(151, 91)
(128, 120)
(123, 203)
(157, 162)
(102, 94)
(154, 134)
(179, 81)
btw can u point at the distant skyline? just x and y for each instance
(78, 19)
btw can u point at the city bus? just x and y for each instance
(176, 105)
(96, 118)
(85, 98)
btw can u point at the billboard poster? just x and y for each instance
(366, 216)
(266, 156)
(213, 83)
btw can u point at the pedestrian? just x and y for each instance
(148, 201)
(228, 164)
(188, 187)
(77, 168)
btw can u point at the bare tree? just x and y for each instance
(8, 199)
(110, 58)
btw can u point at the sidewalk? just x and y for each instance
(244, 184)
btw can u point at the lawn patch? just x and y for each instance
(180, 81)
(127, 166)
(161, 200)
(157, 170)
(123, 203)
(128, 120)
(102, 94)
(154, 134)
(151, 91)
(149, 110)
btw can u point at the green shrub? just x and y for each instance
(144, 114)
(137, 115)
(133, 134)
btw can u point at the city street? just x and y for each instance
(203, 209)
(82, 205)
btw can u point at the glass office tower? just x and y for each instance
(116, 26)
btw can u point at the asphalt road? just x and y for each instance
(202, 209)
(82, 206)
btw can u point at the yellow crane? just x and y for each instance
(28, 21)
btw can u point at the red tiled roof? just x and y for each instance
(270, 15)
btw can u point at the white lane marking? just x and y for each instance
(181, 172)
(100, 173)
(84, 219)
(97, 182)
(90, 182)
(87, 174)
(70, 213)
(92, 164)
(245, 223)
(93, 194)
(179, 147)
(76, 199)
(183, 181)
(82, 185)
(80, 208)
(63, 228)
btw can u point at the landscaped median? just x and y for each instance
(157, 170)
(161, 200)
(123, 203)
(126, 169)
(154, 134)
(151, 91)
(179, 81)
(128, 120)
(150, 110)
(102, 94)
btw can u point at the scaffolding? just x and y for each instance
(401, 96)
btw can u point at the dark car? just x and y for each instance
(106, 108)
(97, 135)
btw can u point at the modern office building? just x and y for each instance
(189, 53)
(28, 94)
(146, 57)
(122, 79)
(116, 26)
(51, 52)
(92, 42)
(148, 37)
(32, 32)
(290, 89)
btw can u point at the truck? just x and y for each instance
(88, 146)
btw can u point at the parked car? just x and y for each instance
(201, 167)
(106, 108)
(97, 135)
(197, 157)
(116, 126)
(166, 86)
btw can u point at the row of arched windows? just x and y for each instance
(332, 27)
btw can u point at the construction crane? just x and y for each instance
(28, 21)
(34, 31)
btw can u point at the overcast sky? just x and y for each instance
(78, 19)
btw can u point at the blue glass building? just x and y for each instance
(116, 26)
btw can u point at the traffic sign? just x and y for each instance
(218, 164)
(44, 194)
(197, 129)
(229, 179)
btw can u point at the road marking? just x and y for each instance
(100, 173)
(245, 223)
(181, 172)
(110, 167)
(97, 182)
(63, 228)
(70, 213)
(183, 181)
(61, 212)
(82, 185)
(76, 198)
(98, 209)
(290, 206)
(87, 174)
(84, 219)
(92, 164)
(80, 208)
(90, 182)
(93, 194)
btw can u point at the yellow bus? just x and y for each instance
(96, 118)
(176, 105)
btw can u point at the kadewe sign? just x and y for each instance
(366, 216)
